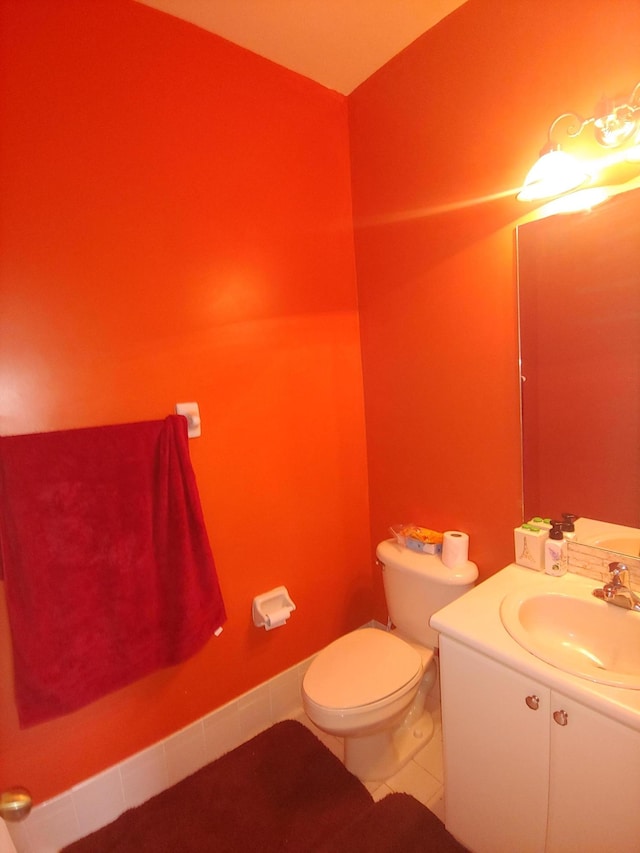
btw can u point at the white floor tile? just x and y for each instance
(430, 756)
(436, 804)
(378, 791)
(415, 780)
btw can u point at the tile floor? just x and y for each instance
(422, 777)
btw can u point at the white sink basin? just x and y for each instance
(578, 634)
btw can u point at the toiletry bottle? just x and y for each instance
(555, 551)
(568, 527)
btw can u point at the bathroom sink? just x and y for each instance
(578, 634)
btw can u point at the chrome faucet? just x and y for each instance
(616, 591)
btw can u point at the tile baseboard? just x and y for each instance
(100, 799)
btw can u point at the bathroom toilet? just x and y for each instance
(370, 686)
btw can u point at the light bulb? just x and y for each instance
(555, 173)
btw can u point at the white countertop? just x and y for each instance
(474, 619)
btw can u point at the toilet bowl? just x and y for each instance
(370, 686)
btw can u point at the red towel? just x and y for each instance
(107, 565)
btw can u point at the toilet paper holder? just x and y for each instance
(272, 609)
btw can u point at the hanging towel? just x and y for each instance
(107, 565)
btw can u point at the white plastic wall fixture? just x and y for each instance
(272, 609)
(191, 412)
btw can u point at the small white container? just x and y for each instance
(529, 544)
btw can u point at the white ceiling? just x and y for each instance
(338, 43)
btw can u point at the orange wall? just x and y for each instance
(177, 226)
(436, 136)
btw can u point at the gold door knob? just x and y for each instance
(15, 804)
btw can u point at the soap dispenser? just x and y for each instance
(568, 526)
(555, 551)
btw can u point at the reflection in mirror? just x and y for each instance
(610, 537)
(579, 303)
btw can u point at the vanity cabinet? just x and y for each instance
(528, 769)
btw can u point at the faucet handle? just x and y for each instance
(619, 574)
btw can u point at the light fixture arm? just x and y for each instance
(572, 130)
(618, 123)
(558, 171)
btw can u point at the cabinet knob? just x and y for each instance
(561, 717)
(533, 702)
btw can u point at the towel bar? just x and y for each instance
(191, 411)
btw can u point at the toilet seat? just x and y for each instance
(362, 668)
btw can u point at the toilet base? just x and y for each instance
(392, 737)
(376, 757)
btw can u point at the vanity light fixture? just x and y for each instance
(615, 137)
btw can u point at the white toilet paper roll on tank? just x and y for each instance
(455, 549)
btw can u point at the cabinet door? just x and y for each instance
(594, 794)
(496, 753)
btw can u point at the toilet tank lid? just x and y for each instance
(392, 554)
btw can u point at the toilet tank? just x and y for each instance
(416, 585)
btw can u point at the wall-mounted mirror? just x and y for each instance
(579, 304)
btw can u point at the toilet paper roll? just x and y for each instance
(455, 549)
(277, 617)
